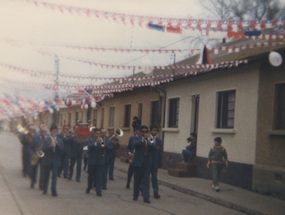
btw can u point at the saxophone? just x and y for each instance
(37, 155)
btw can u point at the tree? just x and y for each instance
(245, 9)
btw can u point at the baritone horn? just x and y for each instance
(118, 133)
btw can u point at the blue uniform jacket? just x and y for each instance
(52, 156)
(76, 147)
(142, 158)
(96, 153)
(155, 153)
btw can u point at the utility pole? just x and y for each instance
(55, 115)
(56, 96)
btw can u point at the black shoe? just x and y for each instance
(44, 192)
(128, 186)
(87, 190)
(146, 201)
(99, 194)
(111, 179)
(104, 188)
(54, 194)
(135, 198)
(77, 180)
(156, 196)
(32, 185)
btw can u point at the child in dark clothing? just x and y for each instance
(217, 159)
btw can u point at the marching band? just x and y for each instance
(56, 153)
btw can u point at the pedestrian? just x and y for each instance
(189, 153)
(76, 154)
(217, 159)
(136, 123)
(96, 162)
(142, 165)
(65, 135)
(114, 146)
(53, 149)
(131, 151)
(155, 155)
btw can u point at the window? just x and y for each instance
(280, 106)
(102, 118)
(226, 109)
(140, 108)
(95, 117)
(173, 113)
(111, 116)
(155, 113)
(76, 117)
(69, 119)
(127, 118)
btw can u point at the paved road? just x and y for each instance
(18, 198)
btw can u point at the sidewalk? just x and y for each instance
(232, 197)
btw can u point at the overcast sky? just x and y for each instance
(26, 30)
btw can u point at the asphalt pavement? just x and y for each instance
(230, 197)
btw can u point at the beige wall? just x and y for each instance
(240, 141)
(143, 95)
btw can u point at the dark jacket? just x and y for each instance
(96, 153)
(156, 152)
(142, 156)
(52, 155)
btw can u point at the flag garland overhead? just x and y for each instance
(174, 24)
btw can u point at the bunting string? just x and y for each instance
(174, 24)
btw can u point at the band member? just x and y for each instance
(130, 150)
(25, 139)
(65, 135)
(53, 149)
(43, 141)
(142, 164)
(155, 154)
(76, 154)
(108, 147)
(35, 147)
(96, 161)
(114, 145)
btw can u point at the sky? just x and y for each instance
(31, 36)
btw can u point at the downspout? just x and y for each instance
(162, 97)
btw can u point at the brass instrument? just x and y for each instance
(53, 143)
(22, 130)
(118, 133)
(151, 139)
(37, 155)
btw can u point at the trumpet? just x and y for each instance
(54, 142)
(151, 139)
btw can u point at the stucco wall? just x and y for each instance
(133, 98)
(239, 142)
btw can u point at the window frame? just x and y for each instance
(112, 116)
(127, 115)
(173, 114)
(223, 109)
(279, 116)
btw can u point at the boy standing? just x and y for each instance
(217, 158)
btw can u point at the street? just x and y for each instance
(72, 198)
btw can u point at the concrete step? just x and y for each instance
(185, 166)
(181, 173)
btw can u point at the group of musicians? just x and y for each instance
(57, 153)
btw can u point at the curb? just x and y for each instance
(203, 196)
(18, 200)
